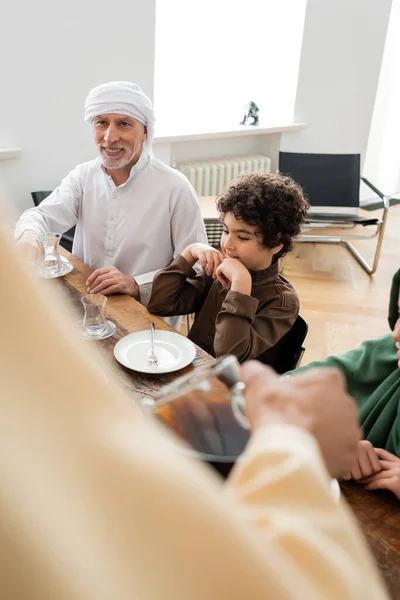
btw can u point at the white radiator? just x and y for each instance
(209, 177)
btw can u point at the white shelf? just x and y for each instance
(6, 153)
(167, 137)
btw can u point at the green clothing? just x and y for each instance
(373, 379)
(394, 308)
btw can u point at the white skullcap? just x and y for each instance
(123, 98)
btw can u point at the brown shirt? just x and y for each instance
(228, 322)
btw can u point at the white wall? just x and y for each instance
(341, 57)
(382, 162)
(267, 145)
(52, 54)
(217, 56)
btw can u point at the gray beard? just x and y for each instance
(124, 162)
(115, 165)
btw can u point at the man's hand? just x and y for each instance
(109, 280)
(367, 462)
(209, 257)
(389, 477)
(232, 272)
(396, 337)
(316, 401)
(28, 246)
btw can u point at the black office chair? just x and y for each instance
(292, 349)
(333, 181)
(67, 237)
(213, 231)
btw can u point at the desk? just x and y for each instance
(129, 316)
(378, 514)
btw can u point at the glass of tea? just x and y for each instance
(205, 410)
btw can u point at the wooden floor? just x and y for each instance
(342, 304)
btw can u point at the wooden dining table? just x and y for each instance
(129, 316)
(378, 513)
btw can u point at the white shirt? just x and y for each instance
(137, 227)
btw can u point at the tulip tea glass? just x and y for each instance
(95, 325)
(50, 264)
(205, 409)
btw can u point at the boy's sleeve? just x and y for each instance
(245, 330)
(177, 290)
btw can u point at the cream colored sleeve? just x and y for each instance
(281, 490)
(96, 504)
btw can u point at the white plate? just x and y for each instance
(173, 351)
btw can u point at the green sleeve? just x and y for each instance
(373, 379)
(364, 367)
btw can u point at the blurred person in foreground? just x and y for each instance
(96, 503)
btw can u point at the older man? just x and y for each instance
(132, 213)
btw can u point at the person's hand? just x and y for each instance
(209, 257)
(316, 401)
(389, 477)
(367, 462)
(232, 272)
(109, 280)
(29, 247)
(396, 337)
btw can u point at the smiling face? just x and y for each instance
(244, 242)
(119, 139)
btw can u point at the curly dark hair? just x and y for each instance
(274, 202)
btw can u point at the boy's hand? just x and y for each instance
(209, 257)
(366, 464)
(389, 477)
(396, 337)
(232, 271)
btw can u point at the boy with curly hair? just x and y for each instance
(242, 305)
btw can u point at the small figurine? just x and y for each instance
(252, 111)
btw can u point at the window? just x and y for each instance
(382, 156)
(214, 56)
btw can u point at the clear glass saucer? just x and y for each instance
(110, 330)
(66, 268)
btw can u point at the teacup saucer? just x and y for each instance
(111, 329)
(67, 267)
